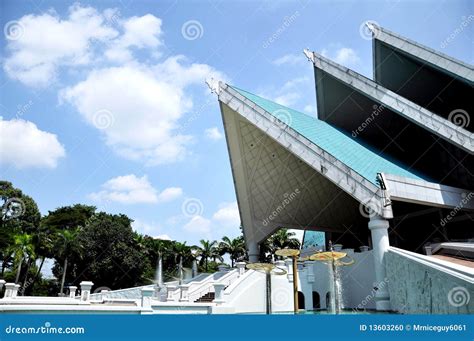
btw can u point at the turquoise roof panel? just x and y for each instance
(355, 155)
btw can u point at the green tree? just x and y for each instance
(207, 250)
(111, 255)
(21, 249)
(279, 240)
(235, 248)
(19, 214)
(67, 244)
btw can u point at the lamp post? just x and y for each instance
(293, 253)
(267, 269)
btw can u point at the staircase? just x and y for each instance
(207, 298)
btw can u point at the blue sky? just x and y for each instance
(104, 102)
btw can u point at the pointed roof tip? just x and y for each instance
(372, 26)
(214, 85)
(309, 54)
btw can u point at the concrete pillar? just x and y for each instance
(15, 290)
(171, 289)
(309, 265)
(289, 268)
(254, 253)
(86, 287)
(184, 293)
(241, 267)
(9, 288)
(72, 291)
(147, 294)
(219, 292)
(379, 231)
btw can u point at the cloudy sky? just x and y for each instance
(104, 103)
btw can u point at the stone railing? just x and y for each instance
(420, 284)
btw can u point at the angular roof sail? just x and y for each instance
(361, 159)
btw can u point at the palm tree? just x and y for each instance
(279, 240)
(22, 248)
(234, 247)
(208, 249)
(68, 243)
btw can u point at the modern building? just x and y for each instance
(387, 163)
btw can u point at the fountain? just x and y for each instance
(293, 253)
(268, 270)
(334, 261)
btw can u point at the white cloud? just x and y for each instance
(130, 189)
(213, 134)
(227, 216)
(152, 229)
(23, 145)
(139, 32)
(290, 93)
(146, 103)
(290, 59)
(47, 41)
(342, 55)
(199, 225)
(127, 189)
(310, 109)
(170, 194)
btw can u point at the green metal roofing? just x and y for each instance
(361, 159)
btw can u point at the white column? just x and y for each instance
(184, 297)
(72, 291)
(379, 231)
(15, 290)
(86, 287)
(219, 292)
(9, 288)
(170, 290)
(241, 267)
(309, 265)
(253, 252)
